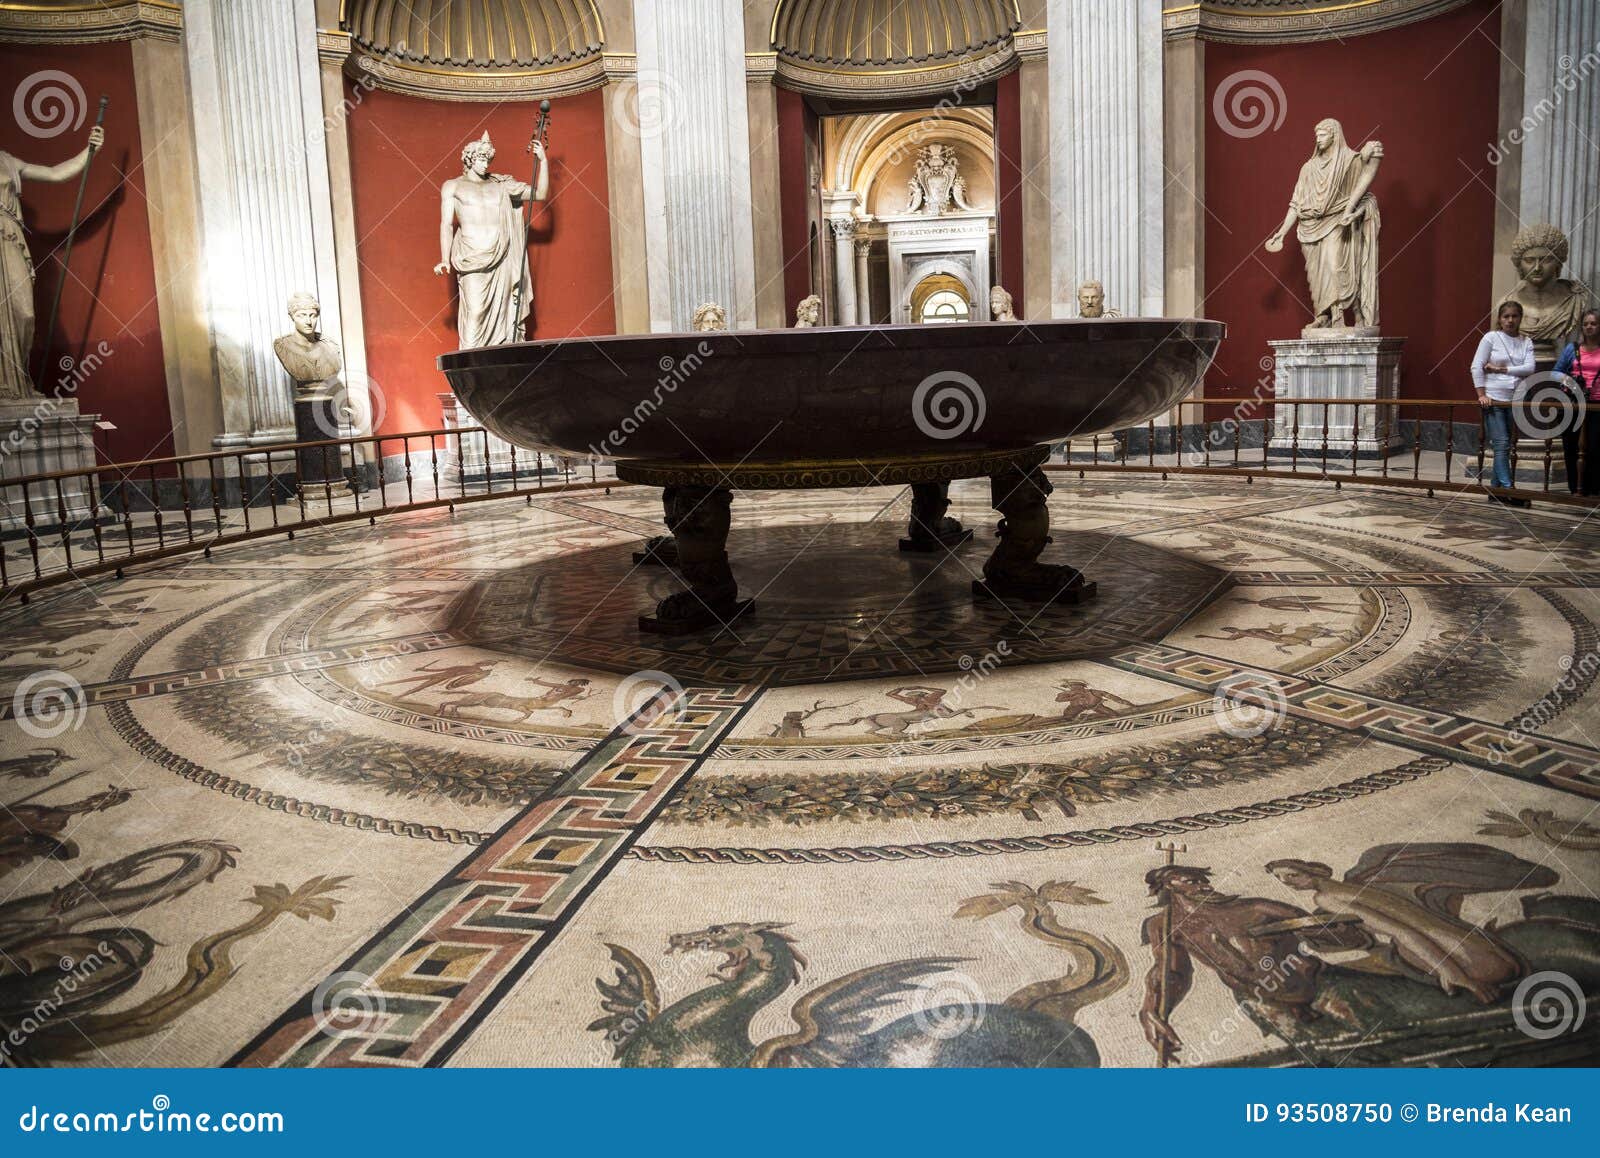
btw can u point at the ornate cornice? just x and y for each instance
(333, 46)
(1031, 44)
(499, 85)
(760, 66)
(1293, 21)
(82, 22)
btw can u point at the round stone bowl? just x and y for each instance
(838, 396)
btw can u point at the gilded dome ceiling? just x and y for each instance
(478, 49)
(857, 47)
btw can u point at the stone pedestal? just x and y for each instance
(42, 435)
(473, 456)
(319, 468)
(1348, 365)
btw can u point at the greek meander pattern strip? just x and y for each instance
(447, 960)
(1561, 764)
(1080, 838)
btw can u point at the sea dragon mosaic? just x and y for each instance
(1035, 1026)
(67, 953)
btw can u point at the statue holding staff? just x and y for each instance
(483, 240)
(1336, 220)
(16, 265)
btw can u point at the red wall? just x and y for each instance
(795, 120)
(402, 149)
(110, 296)
(1428, 91)
(1008, 183)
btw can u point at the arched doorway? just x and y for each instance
(940, 298)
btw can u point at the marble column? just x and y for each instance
(863, 290)
(1560, 180)
(1106, 153)
(265, 200)
(844, 272)
(694, 137)
(1034, 93)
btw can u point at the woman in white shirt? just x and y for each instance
(1503, 360)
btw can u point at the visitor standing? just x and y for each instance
(1581, 362)
(1503, 359)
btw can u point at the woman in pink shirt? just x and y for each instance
(1581, 362)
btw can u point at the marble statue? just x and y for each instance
(808, 313)
(1092, 301)
(709, 318)
(1337, 223)
(935, 183)
(483, 240)
(1000, 304)
(16, 266)
(312, 361)
(1552, 306)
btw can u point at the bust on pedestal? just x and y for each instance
(1335, 217)
(314, 362)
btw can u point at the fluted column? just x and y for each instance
(863, 292)
(844, 272)
(1561, 103)
(695, 147)
(264, 196)
(1106, 153)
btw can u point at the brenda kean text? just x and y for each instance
(1333, 1113)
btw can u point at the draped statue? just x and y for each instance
(16, 265)
(483, 239)
(1337, 223)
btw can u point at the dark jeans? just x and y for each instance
(1497, 424)
(1587, 479)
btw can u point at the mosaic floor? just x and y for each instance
(1313, 781)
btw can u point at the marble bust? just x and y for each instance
(1001, 308)
(1552, 306)
(312, 361)
(709, 318)
(1335, 218)
(935, 182)
(808, 313)
(1092, 301)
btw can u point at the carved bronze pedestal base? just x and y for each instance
(1013, 571)
(929, 528)
(658, 551)
(697, 516)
